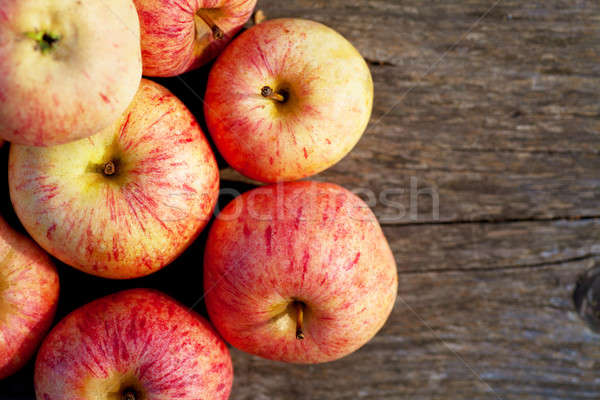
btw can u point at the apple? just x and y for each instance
(28, 298)
(183, 35)
(287, 99)
(124, 202)
(138, 344)
(298, 272)
(68, 68)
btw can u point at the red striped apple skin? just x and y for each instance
(328, 91)
(175, 39)
(29, 290)
(139, 340)
(302, 242)
(135, 221)
(79, 85)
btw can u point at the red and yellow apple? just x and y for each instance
(287, 99)
(68, 68)
(298, 272)
(178, 36)
(133, 345)
(28, 296)
(124, 202)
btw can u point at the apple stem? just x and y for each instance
(217, 32)
(109, 168)
(299, 318)
(259, 16)
(267, 92)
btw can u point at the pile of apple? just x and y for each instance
(111, 174)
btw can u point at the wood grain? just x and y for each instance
(498, 121)
(499, 117)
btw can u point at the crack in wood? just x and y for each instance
(379, 63)
(526, 151)
(501, 268)
(495, 221)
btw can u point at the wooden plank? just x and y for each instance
(492, 246)
(491, 317)
(501, 122)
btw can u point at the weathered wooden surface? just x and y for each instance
(491, 109)
(500, 120)
(500, 117)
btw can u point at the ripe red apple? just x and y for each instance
(298, 272)
(28, 297)
(287, 99)
(137, 344)
(68, 68)
(125, 202)
(178, 36)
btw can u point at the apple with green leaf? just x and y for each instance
(124, 202)
(68, 68)
(287, 99)
(298, 272)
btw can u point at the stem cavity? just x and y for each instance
(268, 93)
(45, 41)
(217, 32)
(129, 395)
